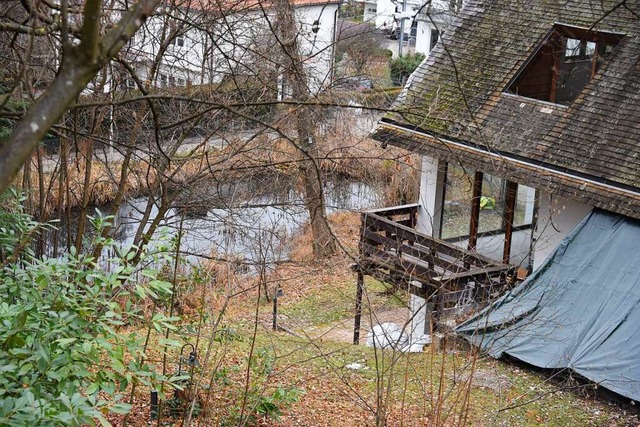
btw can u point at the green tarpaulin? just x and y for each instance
(580, 310)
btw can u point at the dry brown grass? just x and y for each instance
(345, 226)
(334, 395)
(361, 159)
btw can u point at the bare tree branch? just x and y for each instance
(74, 75)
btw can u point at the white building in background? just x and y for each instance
(228, 40)
(431, 22)
(383, 12)
(423, 21)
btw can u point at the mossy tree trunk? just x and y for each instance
(306, 121)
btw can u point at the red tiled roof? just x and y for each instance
(218, 5)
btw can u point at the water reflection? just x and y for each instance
(251, 230)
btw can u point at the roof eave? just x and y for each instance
(588, 190)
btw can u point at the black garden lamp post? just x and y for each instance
(279, 293)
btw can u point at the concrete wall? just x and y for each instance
(557, 216)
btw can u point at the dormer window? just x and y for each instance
(563, 64)
(579, 50)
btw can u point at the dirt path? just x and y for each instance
(342, 331)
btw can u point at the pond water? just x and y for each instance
(248, 229)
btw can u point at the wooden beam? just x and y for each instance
(595, 58)
(558, 45)
(358, 316)
(378, 223)
(475, 210)
(413, 218)
(416, 250)
(589, 34)
(479, 274)
(509, 212)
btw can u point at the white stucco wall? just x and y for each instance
(430, 198)
(420, 327)
(386, 10)
(423, 37)
(384, 13)
(437, 16)
(318, 48)
(557, 216)
(370, 11)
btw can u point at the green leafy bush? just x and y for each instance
(270, 406)
(63, 358)
(401, 68)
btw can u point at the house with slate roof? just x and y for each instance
(527, 115)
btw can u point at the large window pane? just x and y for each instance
(457, 202)
(458, 198)
(525, 203)
(491, 204)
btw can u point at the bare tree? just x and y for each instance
(80, 63)
(306, 119)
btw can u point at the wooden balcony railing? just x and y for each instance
(391, 249)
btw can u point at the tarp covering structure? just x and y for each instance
(580, 310)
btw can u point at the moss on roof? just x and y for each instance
(458, 92)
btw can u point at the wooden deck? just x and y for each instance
(392, 250)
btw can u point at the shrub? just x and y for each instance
(401, 68)
(63, 360)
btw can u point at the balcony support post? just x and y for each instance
(358, 316)
(509, 213)
(475, 210)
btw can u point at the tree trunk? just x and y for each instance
(323, 240)
(324, 243)
(81, 63)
